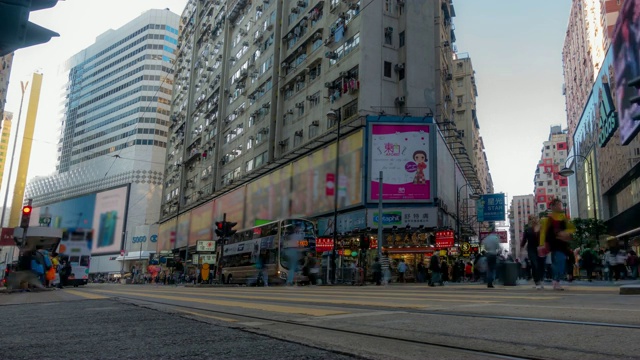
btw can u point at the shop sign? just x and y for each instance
(502, 234)
(443, 252)
(401, 217)
(444, 239)
(347, 252)
(205, 246)
(466, 249)
(207, 258)
(324, 244)
(346, 222)
(453, 251)
(608, 116)
(138, 239)
(490, 207)
(354, 253)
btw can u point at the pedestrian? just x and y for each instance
(468, 271)
(531, 239)
(588, 262)
(386, 268)
(444, 271)
(402, 269)
(65, 272)
(261, 265)
(434, 266)
(492, 248)
(310, 266)
(421, 272)
(556, 232)
(377, 271)
(632, 262)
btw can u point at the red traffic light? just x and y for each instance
(219, 225)
(26, 210)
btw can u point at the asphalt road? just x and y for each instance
(108, 329)
(395, 322)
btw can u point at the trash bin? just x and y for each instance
(510, 273)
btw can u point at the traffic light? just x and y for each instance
(16, 31)
(365, 242)
(26, 216)
(220, 228)
(228, 228)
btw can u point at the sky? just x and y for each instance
(515, 47)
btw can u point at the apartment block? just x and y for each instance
(522, 206)
(7, 117)
(548, 184)
(260, 83)
(588, 37)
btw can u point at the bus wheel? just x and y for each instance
(229, 278)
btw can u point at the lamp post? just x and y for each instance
(334, 115)
(473, 196)
(566, 172)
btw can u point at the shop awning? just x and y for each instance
(136, 255)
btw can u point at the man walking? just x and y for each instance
(491, 247)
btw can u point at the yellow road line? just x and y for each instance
(397, 301)
(255, 306)
(208, 316)
(85, 294)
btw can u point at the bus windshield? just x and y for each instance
(296, 239)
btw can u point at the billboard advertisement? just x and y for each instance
(402, 152)
(313, 182)
(268, 197)
(182, 232)
(108, 220)
(233, 205)
(626, 49)
(201, 227)
(166, 235)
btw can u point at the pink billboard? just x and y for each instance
(402, 153)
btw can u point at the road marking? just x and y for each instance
(208, 316)
(393, 302)
(256, 306)
(253, 323)
(353, 315)
(86, 295)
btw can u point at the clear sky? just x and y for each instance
(516, 51)
(515, 47)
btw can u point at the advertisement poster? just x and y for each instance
(491, 207)
(233, 205)
(201, 227)
(108, 220)
(165, 231)
(402, 153)
(626, 49)
(182, 232)
(268, 197)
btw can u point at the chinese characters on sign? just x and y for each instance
(444, 239)
(401, 217)
(206, 246)
(502, 234)
(491, 207)
(401, 152)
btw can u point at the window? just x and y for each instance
(387, 69)
(388, 36)
(401, 73)
(401, 39)
(459, 82)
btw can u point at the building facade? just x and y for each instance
(113, 133)
(522, 206)
(588, 37)
(548, 184)
(5, 73)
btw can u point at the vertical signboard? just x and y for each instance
(402, 152)
(626, 49)
(490, 207)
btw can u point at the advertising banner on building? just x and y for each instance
(626, 49)
(444, 239)
(109, 219)
(233, 205)
(166, 233)
(401, 217)
(490, 207)
(182, 232)
(268, 197)
(201, 226)
(402, 152)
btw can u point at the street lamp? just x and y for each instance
(332, 116)
(566, 172)
(472, 196)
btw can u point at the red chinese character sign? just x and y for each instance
(444, 239)
(502, 234)
(324, 244)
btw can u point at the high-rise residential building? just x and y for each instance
(465, 92)
(113, 137)
(548, 184)
(588, 37)
(254, 87)
(522, 206)
(7, 117)
(5, 73)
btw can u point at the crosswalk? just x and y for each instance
(317, 301)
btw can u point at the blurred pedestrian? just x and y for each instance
(492, 247)
(531, 239)
(556, 231)
(386, 268)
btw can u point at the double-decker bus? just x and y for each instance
(75, 247)
(277, 244)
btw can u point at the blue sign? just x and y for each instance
(139, 239)
(153, 238)
(491, 207)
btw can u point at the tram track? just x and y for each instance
(314, 326)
